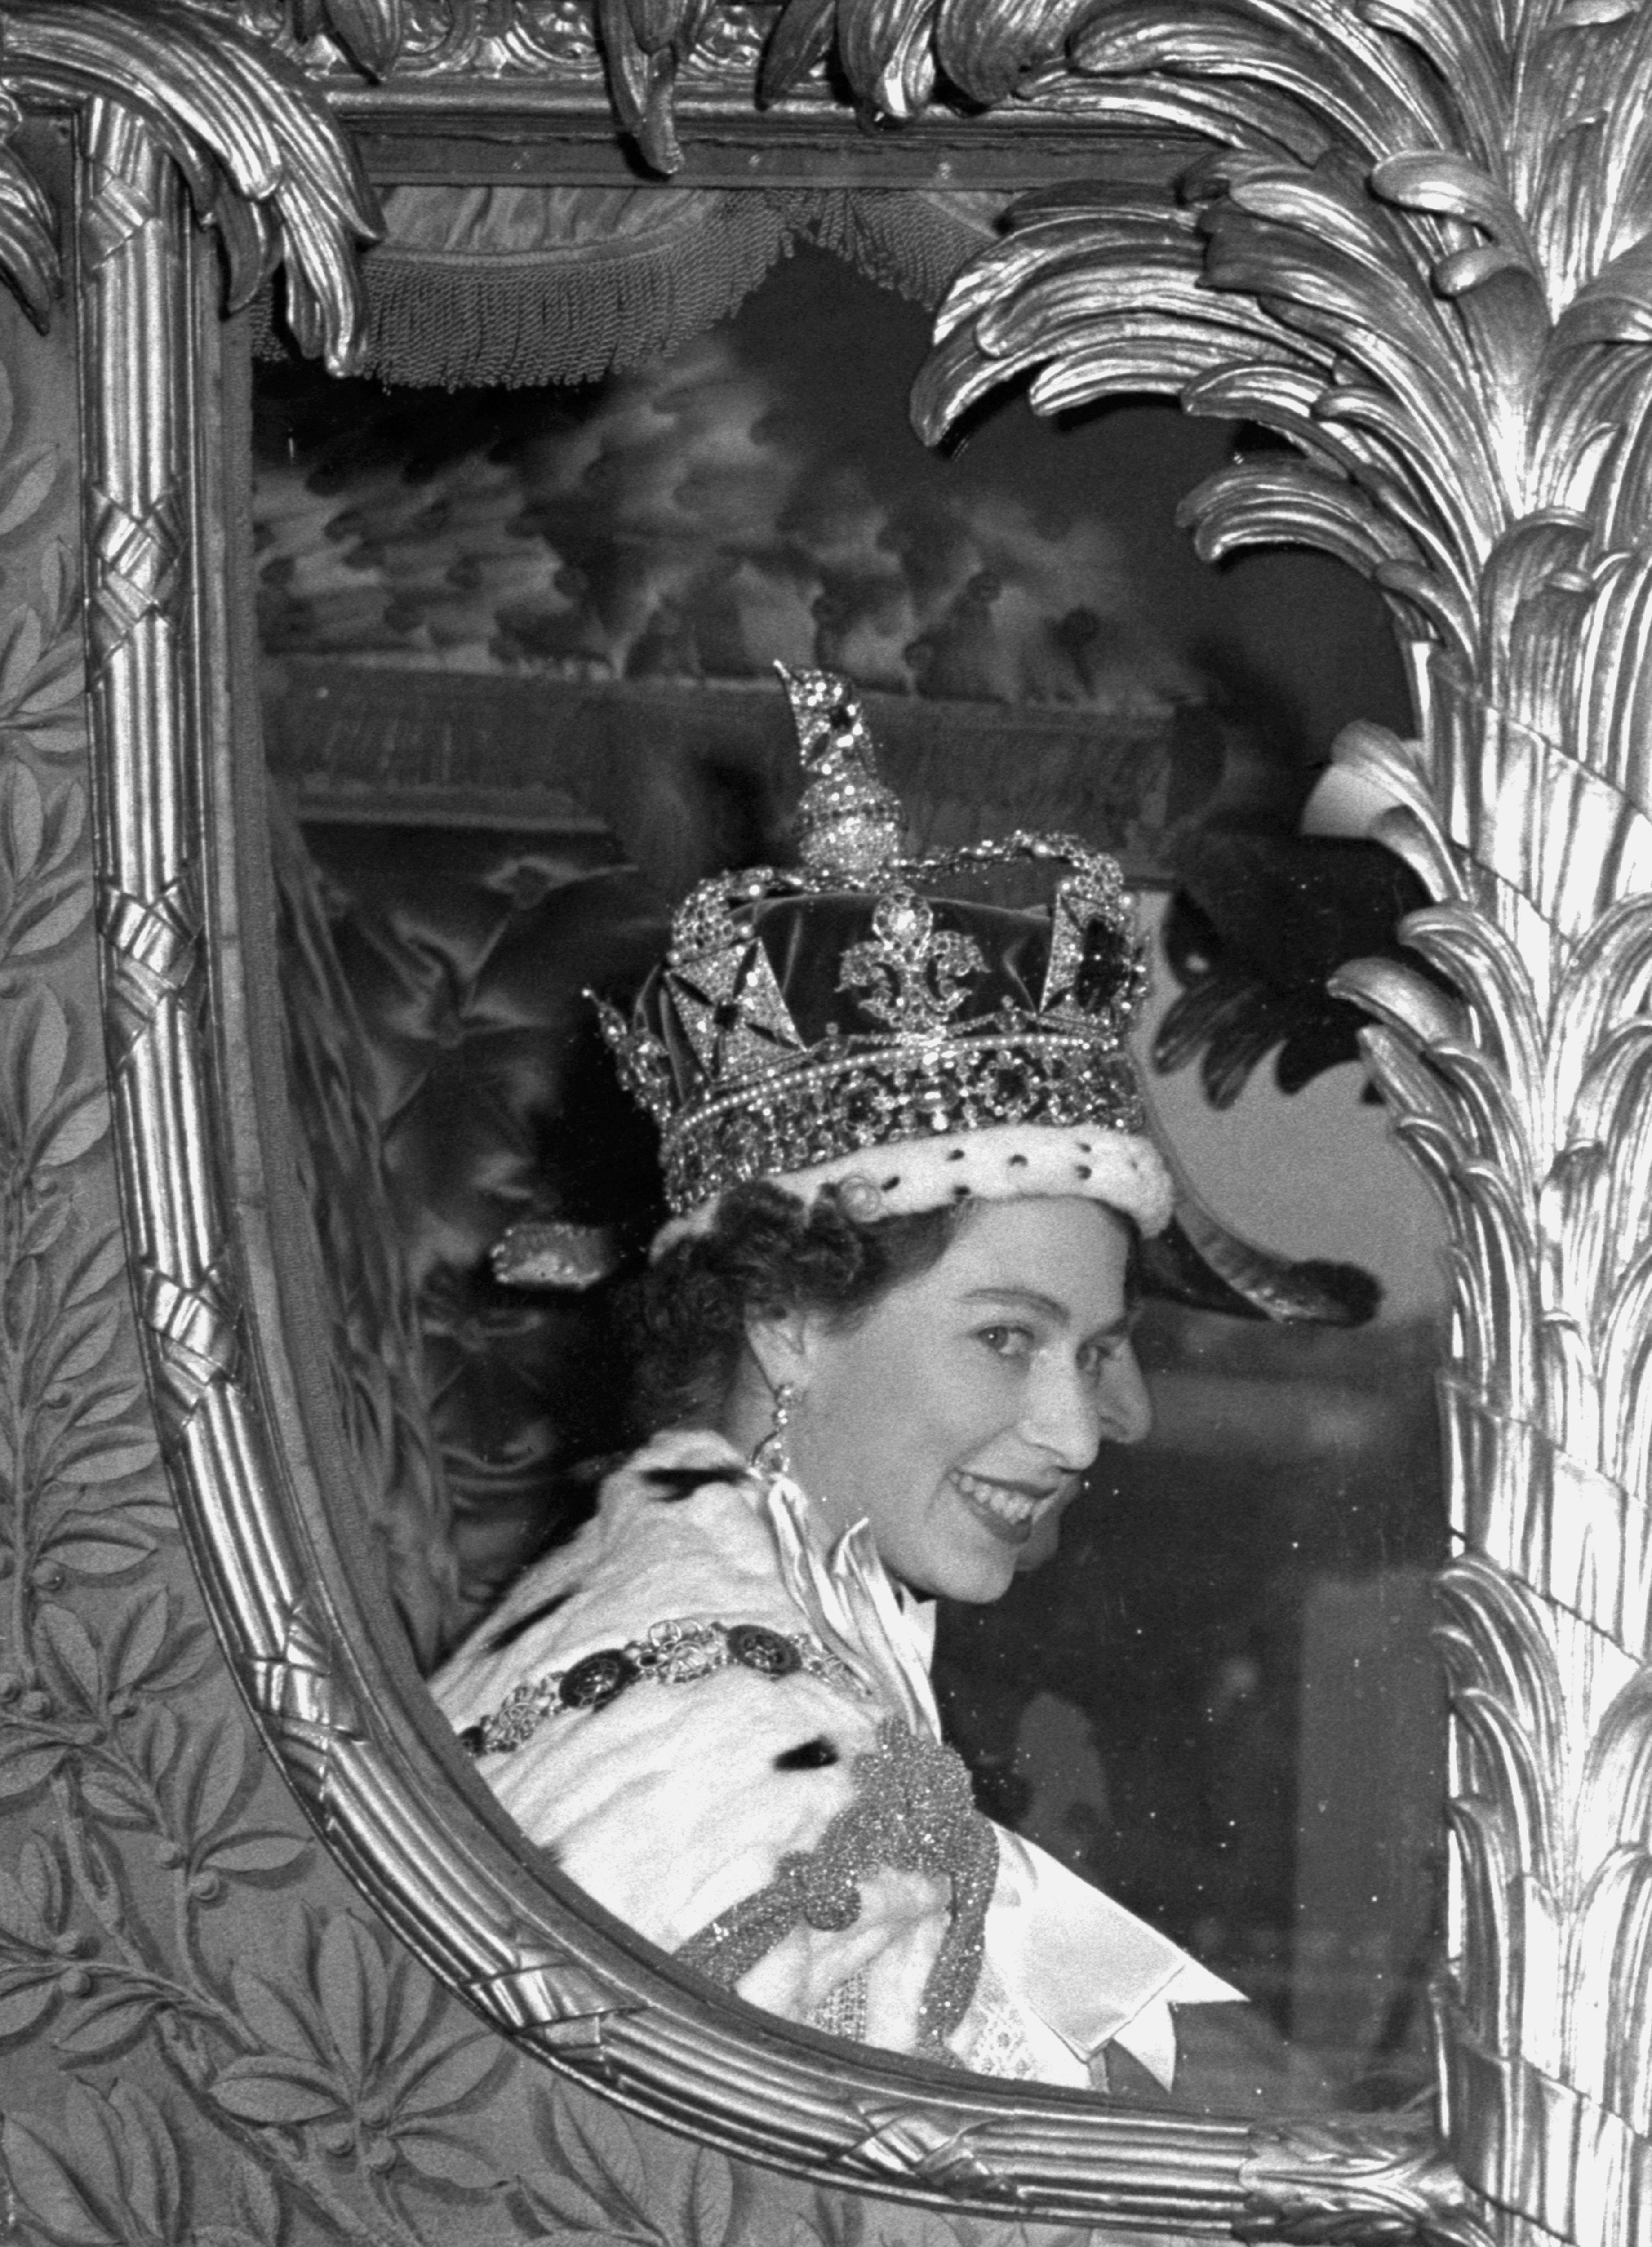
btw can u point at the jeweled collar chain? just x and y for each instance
(670, 1653)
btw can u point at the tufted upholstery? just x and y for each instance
(445, 1072)
(397, 1472)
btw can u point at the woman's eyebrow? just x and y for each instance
(1031, 1298)
(1052, 1307)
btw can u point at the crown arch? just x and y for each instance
(1381, 235)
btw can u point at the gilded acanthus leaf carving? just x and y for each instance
(28, 259)
(261, 157)
(897, 57)
(1311, 2186)
(368, 31)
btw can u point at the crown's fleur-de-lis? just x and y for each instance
(913, 972)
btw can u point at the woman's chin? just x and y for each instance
(980, 1595)
(976, 1579)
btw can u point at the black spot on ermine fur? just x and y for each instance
(671, 1485)
(809, 1755)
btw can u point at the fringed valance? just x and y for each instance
(520, 285)
(914, 241)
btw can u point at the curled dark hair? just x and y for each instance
(763, 1252)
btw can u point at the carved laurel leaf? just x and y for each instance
(43, 2177)
(593, 2182)
(1474, 954)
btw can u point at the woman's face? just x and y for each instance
(959, 1413)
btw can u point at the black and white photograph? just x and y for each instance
(826, 1217)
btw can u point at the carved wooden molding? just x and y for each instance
(1418, 248)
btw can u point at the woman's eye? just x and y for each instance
(1007, 1341)
(1095, 1358)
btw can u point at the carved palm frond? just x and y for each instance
(1428, 294)
(255, 143)
(1422, 256)
(897, 57)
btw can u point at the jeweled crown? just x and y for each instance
(856, 1000)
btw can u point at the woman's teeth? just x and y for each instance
(1015, 1508)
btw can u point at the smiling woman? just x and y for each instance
(887, 1333)
(959, 1413)
(515, 721)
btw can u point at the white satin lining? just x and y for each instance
(1083, 1972)
(1092, 1972)
(852, 1606)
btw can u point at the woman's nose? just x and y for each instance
(1127, 1409)
(1072, 1413)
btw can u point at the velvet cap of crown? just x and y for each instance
(862, 1021)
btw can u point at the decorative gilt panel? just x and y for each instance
(1408, 239)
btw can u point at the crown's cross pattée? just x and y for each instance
(731, 1008)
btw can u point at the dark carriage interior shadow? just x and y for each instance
(514, 646)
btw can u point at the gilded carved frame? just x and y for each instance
(1417, 240)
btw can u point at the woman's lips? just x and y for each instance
(1008, 1510)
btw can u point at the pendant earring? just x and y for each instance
(771, 1457)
